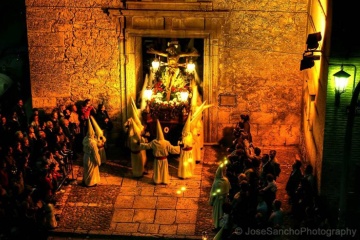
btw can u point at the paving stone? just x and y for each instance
(145, 202)
(186, 216)
(165, 216)
(168, 229)
(186, 229)
(123, 215)
(144, 216)
(147, 191)
(127, 227)
(149, 228)
(166, 203)
(187, 203)
(124, 201)
(165, 191)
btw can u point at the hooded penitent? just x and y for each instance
(98, 131)
(186, 128)
(221, 183)
(159, 132)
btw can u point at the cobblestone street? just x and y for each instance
(122, 207)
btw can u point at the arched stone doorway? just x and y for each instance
(164, 20)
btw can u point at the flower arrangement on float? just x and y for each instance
(176, 108)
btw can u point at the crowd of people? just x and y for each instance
(244, 194)
(36, 156)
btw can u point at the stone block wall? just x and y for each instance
(74, 54)
(259, 62)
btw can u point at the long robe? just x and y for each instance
(161, 149)
(218, 195)
(186, 160)
(91, 162)
(138, 156)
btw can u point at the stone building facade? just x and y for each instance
(82, 49)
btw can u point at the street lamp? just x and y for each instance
(341, 79)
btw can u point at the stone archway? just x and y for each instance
(167, 20)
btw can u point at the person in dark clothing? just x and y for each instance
(104, 121)
(294, 180)
(21, 114)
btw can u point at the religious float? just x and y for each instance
(168, 90)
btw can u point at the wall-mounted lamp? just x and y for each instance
(312, 41)
(341, 79)
(308, 60)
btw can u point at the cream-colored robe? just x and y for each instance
(186, 160)
(161, 148)
(91, 162)
(138, 155)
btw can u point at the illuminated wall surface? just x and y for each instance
(74, 51)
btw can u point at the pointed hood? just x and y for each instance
(220, 171)
(90, 132)
(136, 130)
(194, 98)
(199, 110)
(159, 132)
(97, 129)
(136, 115)
(187, 125)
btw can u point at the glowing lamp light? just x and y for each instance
(218, 190)
(184, 95)
(190, 67)
(148, 93)
(178, 192)
(204, 236)
(183, 188)
(214, 194)
(341, 80)
(190, 160)
(155, 64)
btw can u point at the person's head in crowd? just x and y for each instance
(308, 169)
(297, 165)
(277, 204)
(257, 151)
(242, 177)
(244, 118)
(269, 178)
(272, 154)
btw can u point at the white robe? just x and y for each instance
(91, 162)
(161, 149)
(138, 156)
(186, 160)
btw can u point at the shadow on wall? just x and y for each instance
(227, 137)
